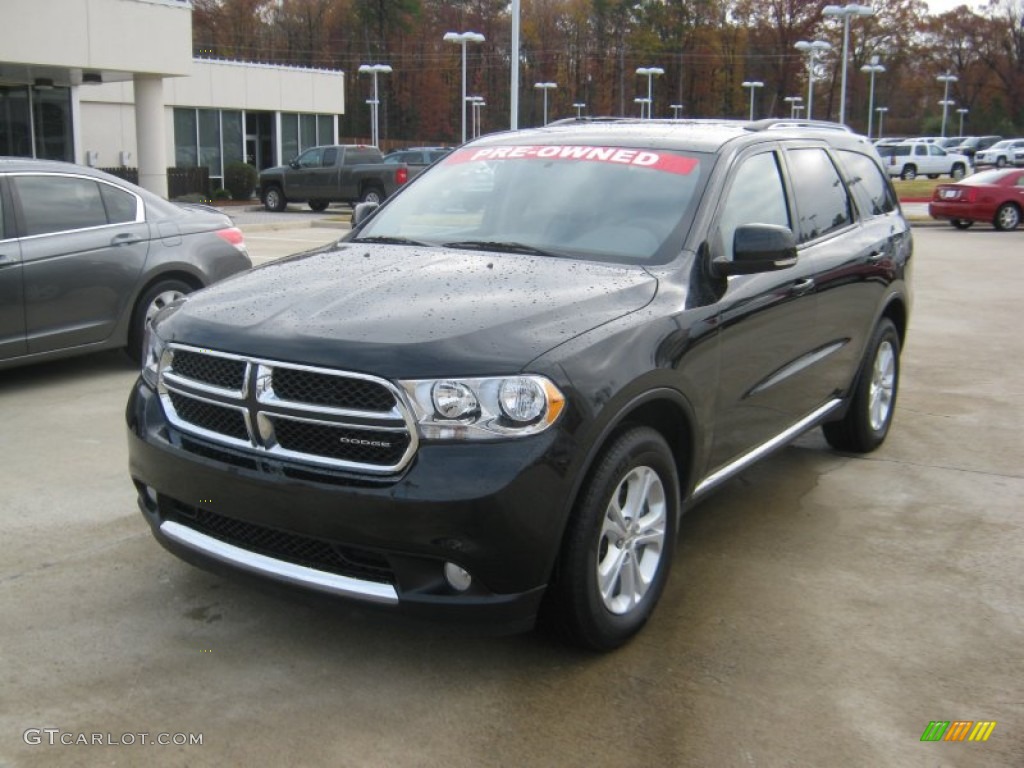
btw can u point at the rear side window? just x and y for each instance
(821, 199)
(59, 203)
(357, 155)
(330, 157)
(121, 206)
(870, 188)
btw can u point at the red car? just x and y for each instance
(996, 196)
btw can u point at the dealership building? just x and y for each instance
(114, 83)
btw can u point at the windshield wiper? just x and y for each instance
(391, 240)
(502, 245)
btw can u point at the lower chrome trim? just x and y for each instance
(279, 570)
(719, 476)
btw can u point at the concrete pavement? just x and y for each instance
(823, 609)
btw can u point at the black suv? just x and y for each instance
(494, 399)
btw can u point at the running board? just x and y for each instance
(720, 476)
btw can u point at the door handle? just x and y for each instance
(125, 238)
(876, 256)
(800, 287)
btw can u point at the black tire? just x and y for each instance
(909, 173)
(933, 175)
(371, 193)
(961, 223)
(318, 205)
(957, 173)
(869, 416)
(155, 297)
(274, 199)
(1007, 217)
(1000, 161)
(624, 524)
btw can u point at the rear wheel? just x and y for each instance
(933, 175)
(156, 297)
(1000, 161)
(867, 421)
(957, 173)
(618, 547)
(274, 199)
(909, 173)
(371, 193)
(961, 223)
(1007, 217)
(318, 205)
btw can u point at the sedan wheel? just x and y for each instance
(149, 304)
(1007, 217)
(619, 543)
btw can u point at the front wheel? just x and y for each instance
(866, 423)
(1000, 161)
(1007, 217)
(961, 223)
(274, 200)
(618, 548)
(909, 173)
(158, 296)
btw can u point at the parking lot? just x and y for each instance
(822, 610)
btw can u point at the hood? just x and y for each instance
(400, 311)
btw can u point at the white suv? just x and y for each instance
(910, 159)
(1002, 153)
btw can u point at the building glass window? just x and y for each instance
(289, 136)
(307, 132)
(186, 153)
(325, 129)
(209, 142)
(15, 124)
(52, 112)
(231, 123)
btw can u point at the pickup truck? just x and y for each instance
(346, 173)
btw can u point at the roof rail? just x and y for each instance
(773, 123)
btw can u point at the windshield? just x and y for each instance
(599, 203)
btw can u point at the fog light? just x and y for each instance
(458, 578)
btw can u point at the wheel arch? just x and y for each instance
(896, 310)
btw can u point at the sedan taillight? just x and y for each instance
(234, 236)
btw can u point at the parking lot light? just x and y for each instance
(812, 49)
(946, 79)
(874, 68)
(753, 85)
(845, 12)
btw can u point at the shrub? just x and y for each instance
(221, 194)
(240, 180)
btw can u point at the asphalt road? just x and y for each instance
(822, 611)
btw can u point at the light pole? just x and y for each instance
(642, 102)
(463, 38)
(514, 85)
(945, 104)
(794, 102)
(375, 69)
(545, 87)
(845, 12)
(579, 106)
(798, 109)
(812, 49)
(881, 120)
(874, 68)
(753, 85)
(946, 79)
(651, 73)
(676, 109)
(962, 111)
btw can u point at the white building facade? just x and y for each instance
(114, 83)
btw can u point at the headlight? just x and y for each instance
(484, 408)
(152, 351)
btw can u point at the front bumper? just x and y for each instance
(497, 510)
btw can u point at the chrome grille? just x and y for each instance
(315, 416)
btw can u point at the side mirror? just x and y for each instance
(362, 212)
(294, 163)
(759, 248)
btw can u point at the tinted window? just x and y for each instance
(756, 196)
(869, 186)
(330, 157)
(311, 158)
(356, 155)
(821, 198)
(58, 203)
(121, 206)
